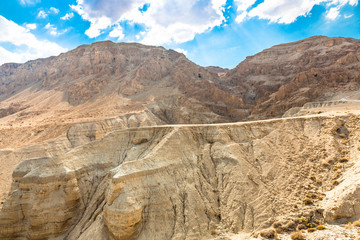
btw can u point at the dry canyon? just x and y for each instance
(127, 141)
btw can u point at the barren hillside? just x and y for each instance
(126, 141)
(289, 75)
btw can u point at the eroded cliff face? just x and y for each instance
(54, 140)
(188, 182)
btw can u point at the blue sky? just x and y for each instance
(209, 32)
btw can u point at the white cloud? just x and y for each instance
(241, 17)
(281, 11)
(97, 24)
(348, 16)
(165, 21)
(178, 21)
(29, 2)
(42, 14)
(54, 10)
(28, 46)
(333, 13)
(242, 7)
(343, 2)
(31, 26)
(180, 50)
(140, 35)
(67, 16)
(53, 30)
(117, 32)
(48, 26)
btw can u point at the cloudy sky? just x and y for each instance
(208, 32)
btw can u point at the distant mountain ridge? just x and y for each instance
(178, 91)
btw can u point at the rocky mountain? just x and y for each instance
(289, 75)
(119, 141)
(135, 77)
(145, 75)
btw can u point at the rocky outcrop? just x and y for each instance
(183, 182)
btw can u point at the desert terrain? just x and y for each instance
(127, 141)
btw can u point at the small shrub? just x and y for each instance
(303, 219)
(300, 227)
(335, 183)
(297, 236)
(309, 225)
(290, 226)
(280, 230)
(320, 227)
(277, 224)
(308, 201)
(311, 229)
(356, 224)
(343, 152)
(311, 195)
(343, 160)
(268, 233)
